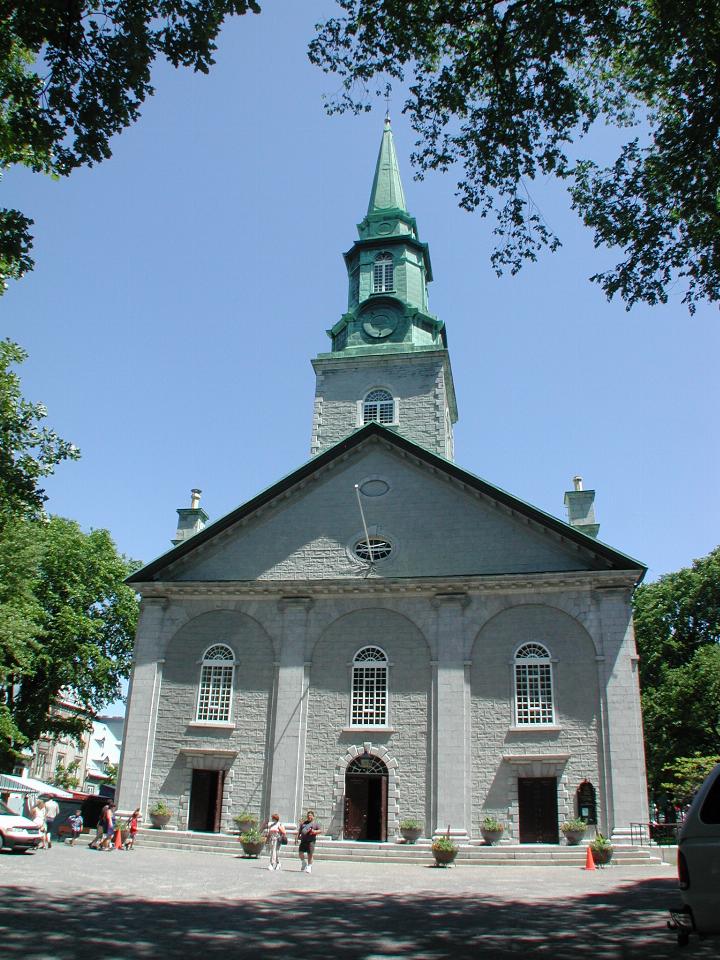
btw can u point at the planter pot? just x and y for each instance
(252, 848)
(444, 857)
(573, 837)
(160, 820)
(601, 857)
(245, 825)
(410, 834)
(491, 837)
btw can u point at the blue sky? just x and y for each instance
(182, 286)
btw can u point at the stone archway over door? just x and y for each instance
(366, 800)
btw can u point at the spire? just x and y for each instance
(387, 190)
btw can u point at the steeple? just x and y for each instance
(387, 189)
(388, 327)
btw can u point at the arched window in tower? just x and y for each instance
(378, 405)
(369, 688)
(533, 686)
(383, 279)
(216, 684)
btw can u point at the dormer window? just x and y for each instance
(383, 279)
(379, 406)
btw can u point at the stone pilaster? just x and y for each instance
(451, 714)
(290, 721)
(142, 706)
(625, 800)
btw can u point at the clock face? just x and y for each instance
(379, 325)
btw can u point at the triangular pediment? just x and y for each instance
(439, 520)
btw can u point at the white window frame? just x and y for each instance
(362, 422)
(384, 273)
(532, 707)
(364, 677)
(223, 694)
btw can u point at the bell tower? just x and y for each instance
(388, 360)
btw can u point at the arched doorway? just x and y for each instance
(366, 793)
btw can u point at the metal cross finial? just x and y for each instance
(387, 107)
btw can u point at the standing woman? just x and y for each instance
(275, 836)
(39, 819)
(306, 833)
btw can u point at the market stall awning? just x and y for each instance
(9, 783)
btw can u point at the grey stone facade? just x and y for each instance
(467, 575)
(470, 580)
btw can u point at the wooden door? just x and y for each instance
(206, 793)
(537, 800)
(356, 804)
(383, 807)
(218, 799)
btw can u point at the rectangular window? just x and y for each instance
(215, 693)
(369, 697)
(533, 693)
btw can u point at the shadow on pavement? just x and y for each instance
(626, 922)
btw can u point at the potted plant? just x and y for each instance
(123, 825)
(252, 842)
(492, 830)
(573, 831)
(602, 850)
(246, 821)
(444, 850)
(410, 830)
(160, 815)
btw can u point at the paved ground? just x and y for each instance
(72, 903)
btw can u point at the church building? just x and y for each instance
(382, 635)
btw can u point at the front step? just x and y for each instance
(472, 853)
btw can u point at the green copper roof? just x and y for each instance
(387, 190)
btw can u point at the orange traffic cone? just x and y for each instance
(118, 841)
(589, 862)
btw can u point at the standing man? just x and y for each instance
(52, 810)
(306, 833)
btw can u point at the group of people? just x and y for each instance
(276, 837)
(43, 814)
(110, 829)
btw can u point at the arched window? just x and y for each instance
(379, 405)
(533, 685)
(369, 688)
(216, 683)
(383, 273)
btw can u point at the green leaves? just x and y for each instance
(677, 628)
(73, 75)
(77, 643)
(505, 90)
(30, 450)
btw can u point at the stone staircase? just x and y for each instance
(473, 853)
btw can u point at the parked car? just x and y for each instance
(17, 833)
(699, 863)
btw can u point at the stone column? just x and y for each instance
(626, 798)
(290, 727)
(142, 706)
(451, 767)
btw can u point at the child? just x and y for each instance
(76, 825)
(133, 829)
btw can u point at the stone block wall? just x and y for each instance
(246, 781)
(330, 745)
(417, 381)
(577, 712)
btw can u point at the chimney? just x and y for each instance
(191, 520)
(580, 508)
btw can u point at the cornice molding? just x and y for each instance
(426, 587)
